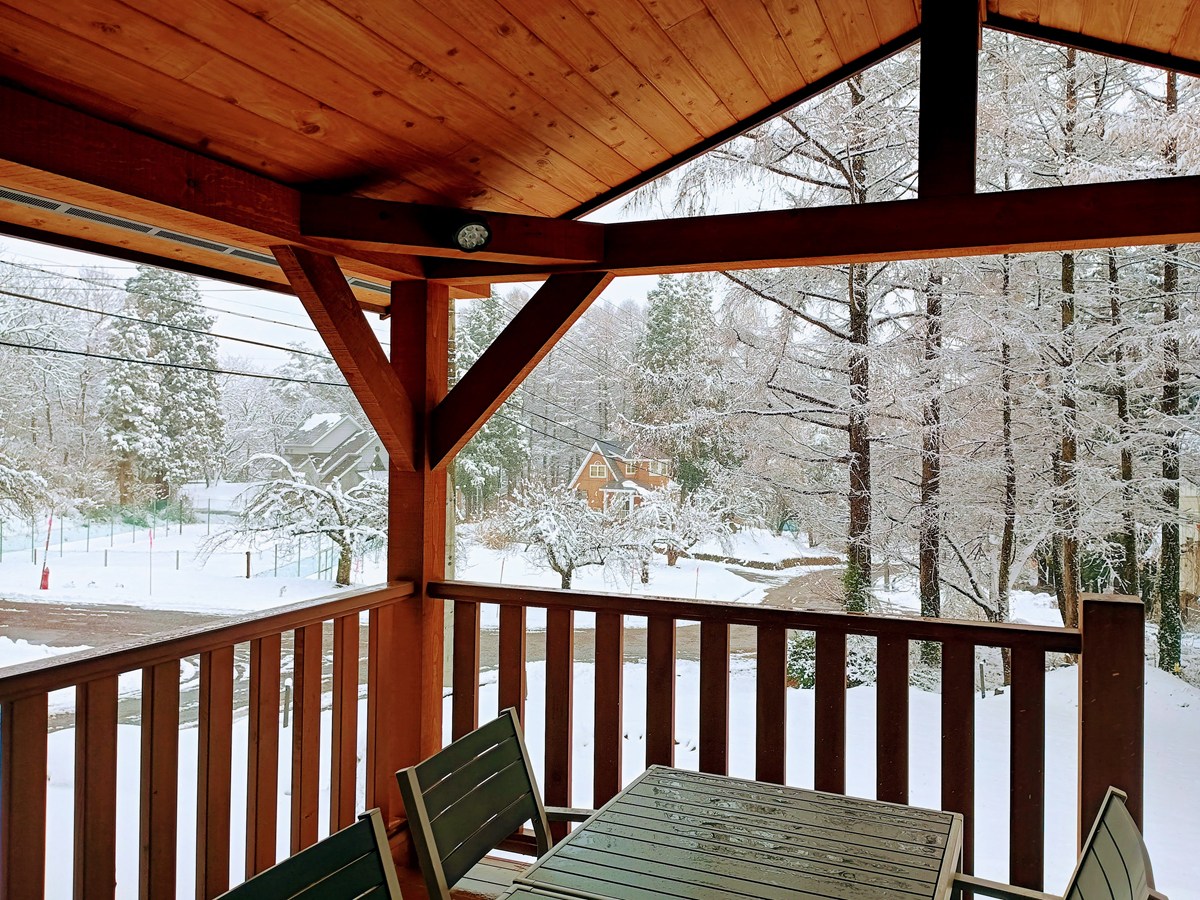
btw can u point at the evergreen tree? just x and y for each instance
(492, 462)
(162, 410)
(676, 380)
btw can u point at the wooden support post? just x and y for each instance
(23, 726)
(159, 814)
(950, 33)
(96, 788)
(1111, 704)
(406, 666)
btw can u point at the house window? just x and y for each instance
(630, 468)
(596, 470)
(657, 467)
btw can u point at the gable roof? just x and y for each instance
(579, 101)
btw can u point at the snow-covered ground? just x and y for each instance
(1172, 706)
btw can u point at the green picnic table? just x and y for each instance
(675, 833)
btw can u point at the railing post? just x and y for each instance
(1111, 704)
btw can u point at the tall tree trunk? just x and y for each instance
(1067, 497)
(858, 562)
(930, 528)
(1009, 526)
(1126, 574)
(1169, 622)
(345, 560)
(1067, 505)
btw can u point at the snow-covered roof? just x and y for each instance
(320, 420)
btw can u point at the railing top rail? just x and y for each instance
(984, 634)
(71, 669)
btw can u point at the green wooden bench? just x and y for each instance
(464, 801)
(1114, 864)
(352, 864)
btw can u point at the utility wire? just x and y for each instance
(184, 328)
(169, 365)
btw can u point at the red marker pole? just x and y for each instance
(45, 586)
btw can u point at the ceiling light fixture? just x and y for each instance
(472, 234)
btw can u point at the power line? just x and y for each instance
(552, 437)
(170, 365)
(150, 322)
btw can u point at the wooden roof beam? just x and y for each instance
(531, 334)
(321, 287)
(1129, 213)
(429, 230)
(950, 35)
(141, 176)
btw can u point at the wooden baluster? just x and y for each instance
(610, 664)
(343, 758)
(511, 688)
(213, 769)
(829, 758)
(96, 788)
(159, 815)
(560, 685)
(262, 756)
(771, 713)
(306, 734)
(23, 726)
(891, 720)
(714, 697)
(660, 691)
(958, 739)
(464, 716)
(1027, 772)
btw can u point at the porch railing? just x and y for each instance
(298, 630)
(1111, 720)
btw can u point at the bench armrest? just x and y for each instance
(981, 887)
(568, 814)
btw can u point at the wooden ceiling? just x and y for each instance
(539, 107)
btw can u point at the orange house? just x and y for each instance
(613, 475)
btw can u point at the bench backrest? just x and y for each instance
(466, 799)
(1114, 864)
(352, 864)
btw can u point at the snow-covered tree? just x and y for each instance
(493, 461)
(162, 408)
(22, 491)
(287, 506)
(679, 522)
(557, 528)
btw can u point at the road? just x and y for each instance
(96, 625)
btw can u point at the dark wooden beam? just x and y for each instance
(949, 88)
(812, 89)
(1131, 213)
(428, 230)
(1126, 52)
(142, 176)
(513, 355)
(327, 298)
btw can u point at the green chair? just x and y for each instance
(1114, 864)
(352, 864)
(464, 801)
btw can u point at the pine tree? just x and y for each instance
(162, 409)
(488, 467)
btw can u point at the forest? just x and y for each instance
(975, 423)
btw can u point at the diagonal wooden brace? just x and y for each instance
(513, 355)
(321, 287)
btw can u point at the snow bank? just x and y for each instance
(13, 653)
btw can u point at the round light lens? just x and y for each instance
(472, 236)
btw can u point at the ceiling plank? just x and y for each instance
(949, 95)
(1130, 213)
(428, 230)
(514, 353)
(321, 287)
(834, 78)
